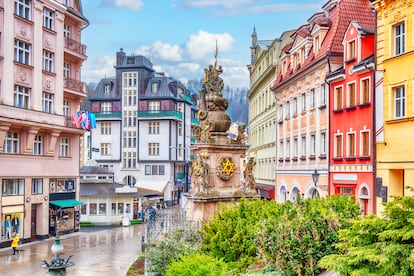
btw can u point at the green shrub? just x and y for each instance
(197, 264)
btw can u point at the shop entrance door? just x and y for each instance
(33, 222)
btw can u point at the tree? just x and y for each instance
(377, 246)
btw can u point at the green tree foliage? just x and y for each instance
(304, 232)
(197, 264)
(377, 246)
(179, 242)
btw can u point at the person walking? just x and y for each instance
(15, 243)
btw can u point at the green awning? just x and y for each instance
(66, 203)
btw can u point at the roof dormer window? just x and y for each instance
(351, 50)
(107, 88)
(154, 87)
(316, 44)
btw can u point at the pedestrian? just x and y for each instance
(15, 243)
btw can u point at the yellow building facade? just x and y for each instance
(395, 108)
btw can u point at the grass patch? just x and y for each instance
(86, 224)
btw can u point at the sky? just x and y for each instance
(180, 36)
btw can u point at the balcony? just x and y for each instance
(108, 116)
(195, 121)
(76, 47)
(74, 85)
(161, 114)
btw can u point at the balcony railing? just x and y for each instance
(160, 114)
(75, 46)
(73, 84)
(195, 121)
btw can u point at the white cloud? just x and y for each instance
(134, 5)
(203, 43)
(95, 70)
(202, 4)
(162, 51)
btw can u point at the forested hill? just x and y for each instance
(237, 97)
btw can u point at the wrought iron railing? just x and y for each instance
(75, 46)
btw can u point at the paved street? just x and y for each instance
(97, 251)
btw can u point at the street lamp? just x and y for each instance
(315, 177)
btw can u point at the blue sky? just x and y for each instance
(179, 36)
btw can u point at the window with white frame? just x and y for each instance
(351, 50)
(105, 149)
(312, 98)
(338, 146)
(130, 139)
(351, 94)
(313, 144)
(107, 88)
(130, 79)
(66, 70)
(399, 39)
(106, 107)
(365, 143)
(21, 96)
(280, 112)
(48, 61)
(12, 187)
(22, 52)
(303, 144)
(287, 109)
(323, 142)
(11, 142)
(48, 19)
(154, 106)
(295, 106)
(295, 147)
(180, 107)
(106, 128)
(153, 149)
(323, 94)
(338, 98)
(399, 102)
(64, 147)
(129, 160)
(37, 186)
(154, 87)
(47, 102)
(154, 128)
(303, 102)
(351, 144)
(23, 8)
(281, 149)
(38, 145)
(67, 30)
(180, 150)
(180, 129)
(365, 89)
(288, 148)
(66, 107)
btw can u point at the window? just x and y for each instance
(399, 102)
(399, 39)
(313, 144)
(64, 147)
(38, 145)
(61, 185)
(153, 128)
(47, 102)
(130, 139)
(287, 109)
(154, 170)
(180, 129)
(37, 186)
(48, 61)
(316, 44)
(303, 142)
(12, 187)
(153, 149)
(147, 169)
(154, 87)
(365, 88)
(323, 95)
(351, 144)
(102, 208)
(105, 149)
(348, 191)
(11, 143)
(281, 149)
(120, 208)
(129, 159)
(351, 94)
(180, 150)
(295, 106)
(287, 148)
(92, 209)
(66, 108)
(280, 112)
(106, 107)
(180, 107)
(22, 52)
(312, 98)
(48, 19)
(22, 8)
(161, 169)
(105, 128)
(365, 143)
(295, 147)
(107, 88)
(351, 50)
(21, 96)
(338, 98)
(66, 70)
(303, 102)
(130, 79)
(154, 106)
(323, 143)
(338, 145)
(67, 30)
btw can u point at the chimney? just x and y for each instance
(120, 57)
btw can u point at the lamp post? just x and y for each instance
(315, 178)
(58, 265)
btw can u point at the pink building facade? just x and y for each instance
(40, 88)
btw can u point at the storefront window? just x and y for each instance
(65, 219)
(113, 212)
(62, 185)
(120, 208)
(83, 209)
(12, 187)
(92, 209)
(102, 208)
(128, 208)
(11, 223)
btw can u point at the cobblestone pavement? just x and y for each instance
(97, 251)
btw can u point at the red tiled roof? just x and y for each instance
(339, 18)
